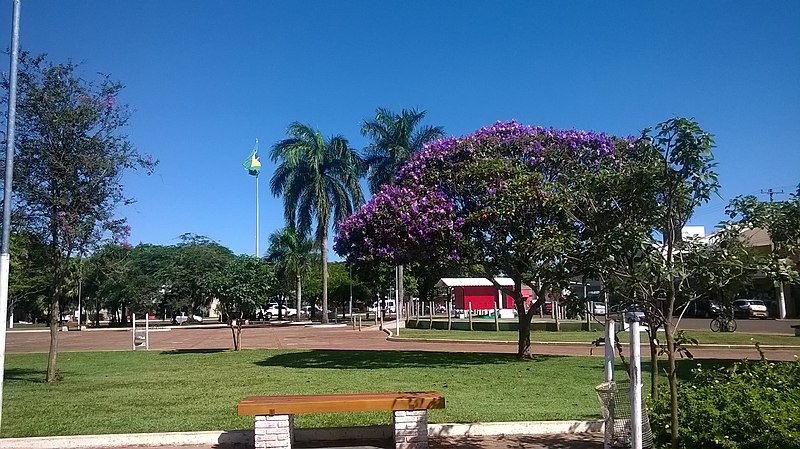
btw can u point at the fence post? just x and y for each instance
(636, 382)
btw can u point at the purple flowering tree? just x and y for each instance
(70, 157)
(502, 198)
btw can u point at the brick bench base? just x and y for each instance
(411, 429)
(274, 431)
(275, 425)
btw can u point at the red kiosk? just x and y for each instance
(481, 295)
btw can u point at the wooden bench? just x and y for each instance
(796, 328)
(274, 414)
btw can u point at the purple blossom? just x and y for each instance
(425, 216)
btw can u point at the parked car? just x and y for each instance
(272, 311)
(317, 310)
(598, 308)
(183, 317)
(750, 308)
(388, 305)
(700, 308)
(772, 308)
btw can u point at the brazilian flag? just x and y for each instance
(252, 164)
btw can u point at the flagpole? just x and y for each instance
(257, 209)
(5, 256)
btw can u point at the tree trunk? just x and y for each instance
(524, 343)
(524, 318)
(299, 292)
(672, 378)
(651, 334)
(55, 320)
(324, 250)
(236, 330)
(234, 335)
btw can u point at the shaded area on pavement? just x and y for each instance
(589, 440)
(332, 338)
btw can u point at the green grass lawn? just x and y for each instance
(122, 392)
(702, 337)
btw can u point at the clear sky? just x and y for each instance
(206, 78)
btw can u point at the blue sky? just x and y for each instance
(206, 78)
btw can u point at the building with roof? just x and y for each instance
(481, 295)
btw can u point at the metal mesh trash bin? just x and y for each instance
(615, 400)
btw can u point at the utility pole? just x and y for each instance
(781, 295)
(771, 193)
(5, 257)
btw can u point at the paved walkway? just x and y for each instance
(323, 337)
(565, 441)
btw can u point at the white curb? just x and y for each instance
(245, 437)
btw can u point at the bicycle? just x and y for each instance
(722, 323)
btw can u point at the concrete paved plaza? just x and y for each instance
(299, 336)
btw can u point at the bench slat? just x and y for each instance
(348, 402)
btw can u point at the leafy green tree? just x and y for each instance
(394, 139)
(687, 180)
(781, 220)
(191, 260)
(319, 181)
(106, 276)
(29, 275)
(634, 218)
(241, 286)
(70, 157)
(145, 278)
(293, 256)
(500, 199)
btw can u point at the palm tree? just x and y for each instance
(394, 139)
(293, 255)
(318, 179)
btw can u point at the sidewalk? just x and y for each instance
(329, 337)
(588, 440)
(592, 440)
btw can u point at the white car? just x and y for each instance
(598, 308)
(182, 318)
(388, 306)
(750, 308)
(272, 311)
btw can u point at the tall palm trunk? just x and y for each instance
(324, 250)
(299, 292)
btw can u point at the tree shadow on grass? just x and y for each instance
(24, 375)
(329, 359)
(193, 351)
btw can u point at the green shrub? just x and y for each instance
(749, 405)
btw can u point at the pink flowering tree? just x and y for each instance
(503, 198)
(71, 153)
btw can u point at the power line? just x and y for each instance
(772, 192)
